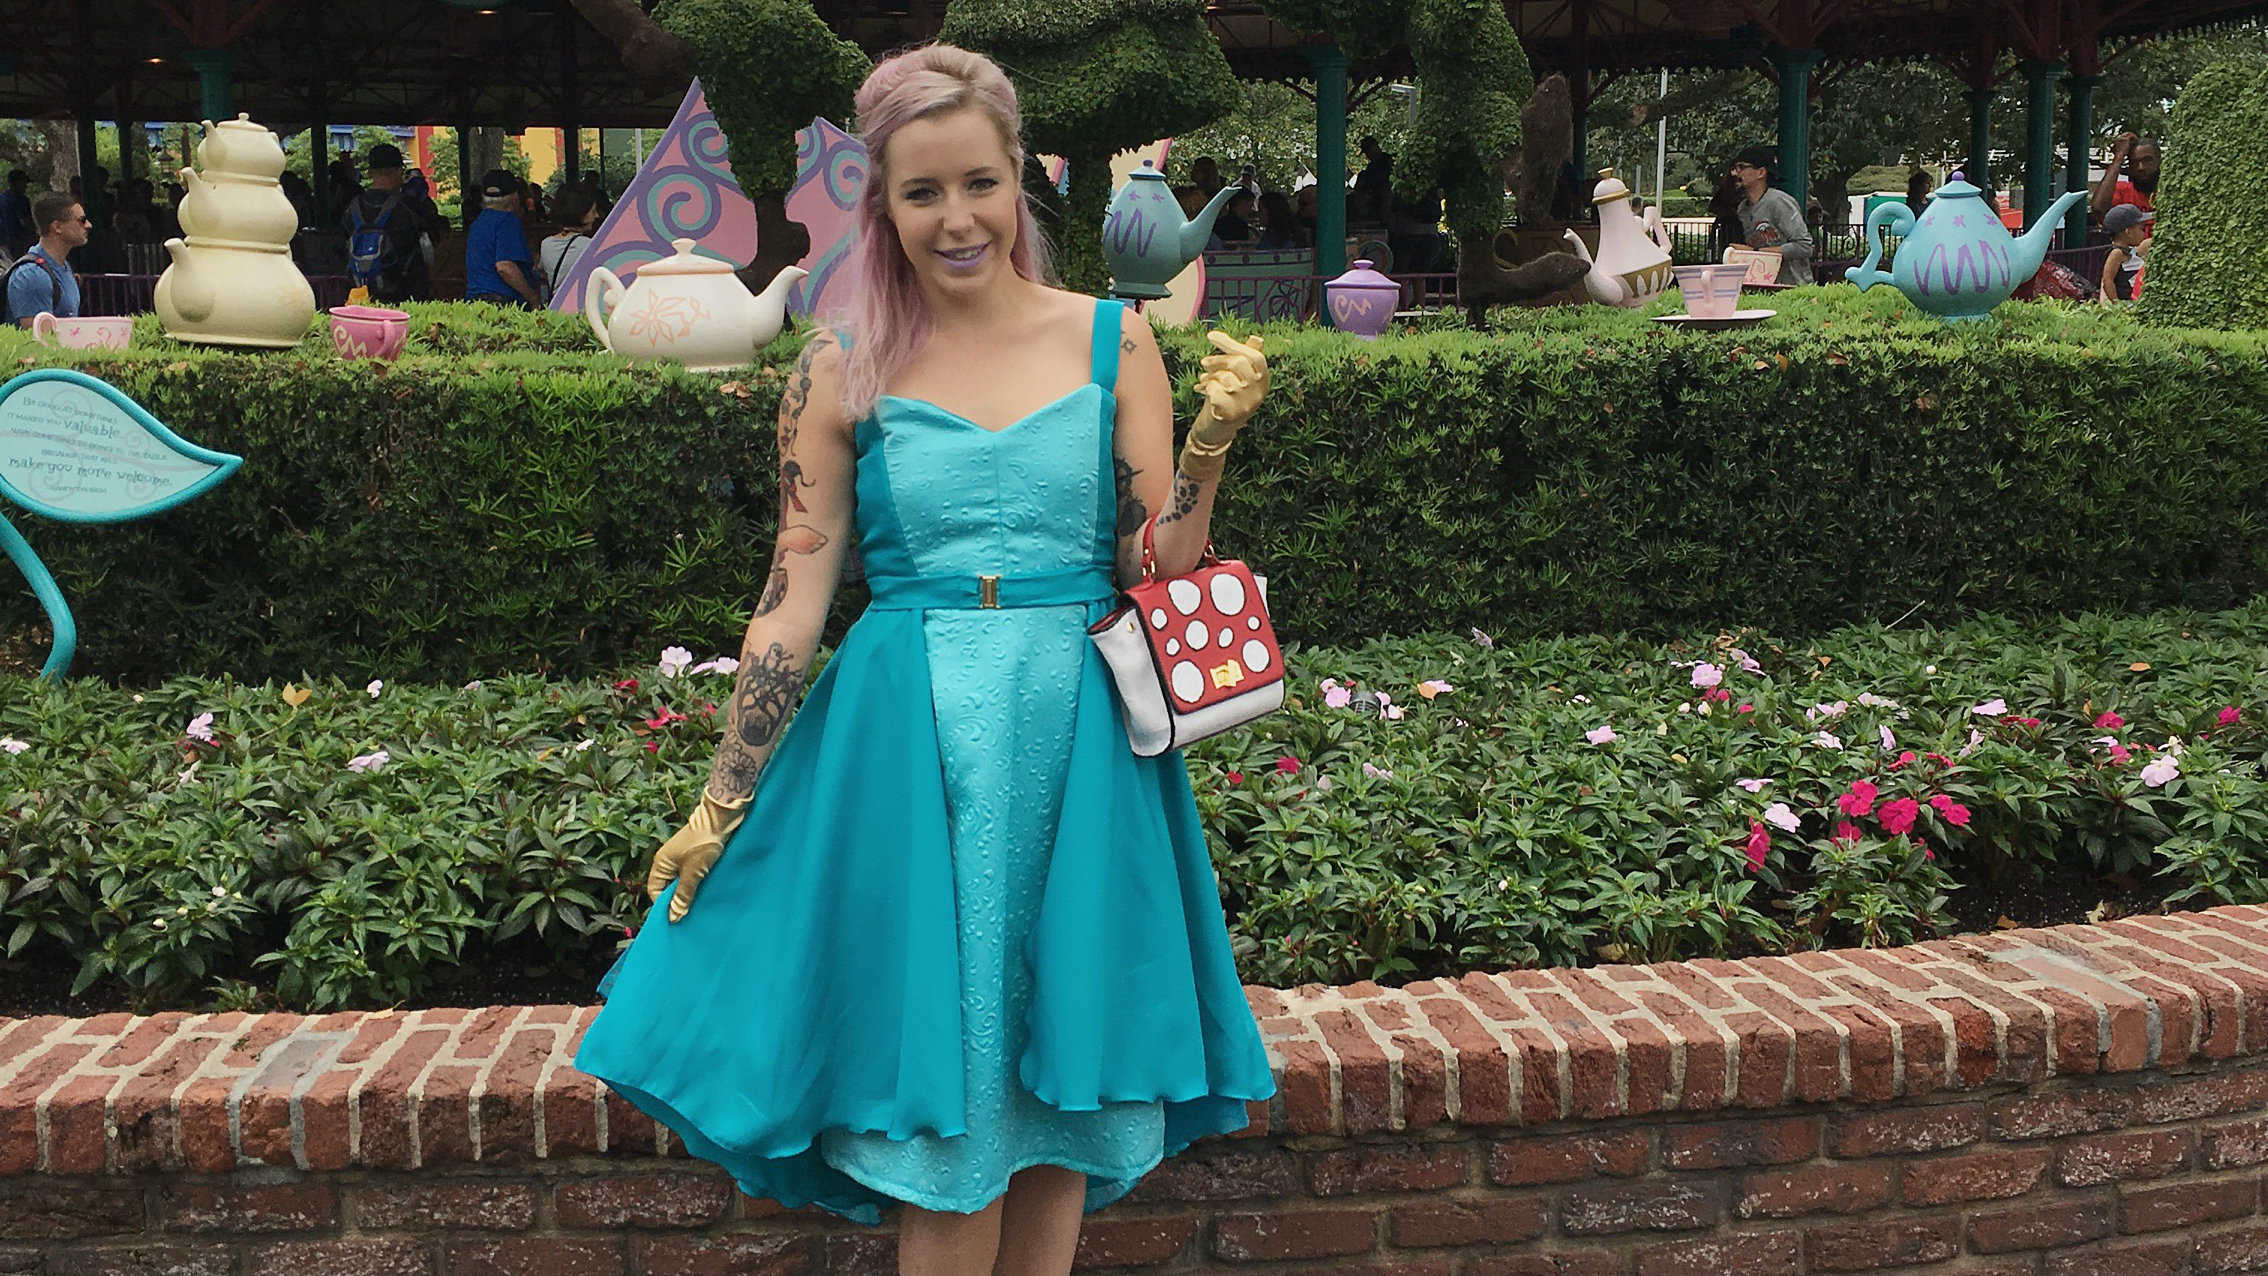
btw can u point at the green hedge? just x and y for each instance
(243, 859)
(508, 498)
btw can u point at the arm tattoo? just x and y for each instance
(1185, 490)
(1131, 512)
(798, 394)
(1127, 345)
(798, 538)
(761, 702)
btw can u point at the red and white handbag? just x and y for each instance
(1192, 655)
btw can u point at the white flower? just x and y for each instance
(1704, 708)
(1387, 709)
(1376, 772)
(722, 664)
(581, 745)
(158, 922)
(1780, 816)
(1833, 709)
(1483, 639)
(1873, 701)
(1929, 668)
(1826, 740)
(1601, 735)
(2173, 745)
(474, 685)
(2162, 769)
(1889, 741)
(1707, 675)
(201, 728)
(1323, 784)
(1745, 661)
(1580, 700)
(1992, 708)
(1753, 786)
(1976, 738)
(10, 744)
(1684, 706)
(674, 660)
(368, 761)
(220, 892)
(376, 685)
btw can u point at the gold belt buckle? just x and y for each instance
(988, 591)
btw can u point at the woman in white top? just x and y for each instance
(558, 254)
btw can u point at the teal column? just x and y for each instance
(2081, 147)
(1794, 66)
(1330, 63)
(1980, 136)
(2039, 134)
(1582, 152)
(213, 67)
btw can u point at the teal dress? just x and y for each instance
(963, 929)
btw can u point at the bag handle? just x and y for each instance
(1150, 552)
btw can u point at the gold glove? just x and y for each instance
(692, 851)
(1234, 381)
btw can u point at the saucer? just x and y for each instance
(1711, 323)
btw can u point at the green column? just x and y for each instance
(1581, 156)
(213, 66)
(2081, 148)
(1794, 66)
(1330, 63)
(2039, 134)
(1979, 167)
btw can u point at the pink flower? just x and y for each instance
(2109, 721)
(2229, 716)
(1745, 707)
(1376, 772)
(1780, 815)
(653, 746)
(1905, 759)
(1859, 800)
(1847, 832)
(2160, 771)
(1601, 735)
(1753, 786)
(1334, 695)
(664, 717)
(627, 684)
(1432, 687)
(1707, 675)
(1235, 777)
(1928, 854)
(1717, 695)
(1287, 765)
(1955, 814)
(1898, 817)
(1992, 708)
(2120, 754)
(1759, 844)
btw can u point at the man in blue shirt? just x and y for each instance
(498, 266)
(42, 279)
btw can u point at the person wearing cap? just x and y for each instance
(498, 265)
(2129, 230)
(402, 215)
(1769, 217)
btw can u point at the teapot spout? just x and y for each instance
(2030, 248)
(771, 305)
(189, 286)
(1200, 228)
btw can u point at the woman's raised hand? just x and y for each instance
(1235, 378)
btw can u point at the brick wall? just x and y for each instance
(2079, 1101)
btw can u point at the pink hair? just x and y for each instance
(884, 311)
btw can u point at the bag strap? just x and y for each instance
(54, 279)
(1150, 551)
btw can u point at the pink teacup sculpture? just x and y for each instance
(1710, 292)
(368, 332)
(103, 332)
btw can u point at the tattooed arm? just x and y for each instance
(817, 500)
(1148, 481)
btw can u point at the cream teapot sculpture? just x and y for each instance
(687, 307)
(1633, 262)
(232, 281)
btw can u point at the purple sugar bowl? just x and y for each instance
(1362, 301)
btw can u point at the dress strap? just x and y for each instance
(1105, 360)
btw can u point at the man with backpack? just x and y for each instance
(42, 280)
(382, 226)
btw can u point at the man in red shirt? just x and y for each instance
(2139, 157)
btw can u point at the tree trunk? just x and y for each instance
(484, 148)
(779, 242)
(62, 152)
(654, 55)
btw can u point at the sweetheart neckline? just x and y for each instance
(1055, 402)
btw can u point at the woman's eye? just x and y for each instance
(983, 184)
(919, 194)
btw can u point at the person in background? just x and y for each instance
(1278, 228)
(2138, 186)
(596, 190)
(1234, 225)
(1307, 204)
(498, 266)
(401, 217)
(1205, 174)
(1918, 188)
(557, 255)
(2129, 231)
(15, 214)
(301, 195)
(344, 186)
(42, 280)
(1769, 217)
(1725, 229)
(1373, 186)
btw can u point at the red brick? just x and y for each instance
(1928, 1128)
(507, 1101)
(1484, 1079)
(1771, 1254)
(444, 1116)
(374, 1031)
(1978, 1176)
(1425, 1077)
(537, 1256)
(2157, 1258)
(1814, 1189)
(2023, 1051)
(325, 1132)
(362, 1256)
(1501, 1221)
(570, 1105)
(1565, 1158)
(1976, 1044)
(1594, 1057)
(1294, 1234)
(1865, 1247)
(384, 1103)
(2064, 1112)
(2041, 1227)
(274, 1207)
(76, 1143)
(642, 1200)
(1305, 1081)
(1642, 1206)
(1718, 1145)
(48, 1211)
(247, 1049)
(141, 1041)
(2240, 1249)
(1224, 1175)
(140, 1260)
(1589, 1263)
(862, 1254)
(1873, 1056)
(1365, 1083)
(2111, 1158)
(1390, 1168)
(2222, 1147)
(1130, 1242)
(757, 1254)
(1818, 1043)
(1765, 1048)
(143, 1106)
(2155, 1209)
(479, 1205)
(2202, 1097)
(629, 1130)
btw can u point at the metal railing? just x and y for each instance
(133, 294)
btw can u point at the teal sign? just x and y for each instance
(74, 448)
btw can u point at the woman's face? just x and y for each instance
(952, 196)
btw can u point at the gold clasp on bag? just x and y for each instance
(988, 591)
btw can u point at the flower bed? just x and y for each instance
(1423, 806)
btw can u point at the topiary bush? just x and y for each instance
(2208, 262)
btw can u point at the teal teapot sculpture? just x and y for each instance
(1146, 239)
(1958, 261)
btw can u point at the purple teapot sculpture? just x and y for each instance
(1147, 240)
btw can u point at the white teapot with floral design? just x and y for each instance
(687, 307)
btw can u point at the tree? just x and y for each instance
(2208, 264)
(1093, 78)
(1273, 130)
(2142, 80)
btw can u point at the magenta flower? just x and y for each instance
(1847, 832)
(1955, 814)
(2109, 721)
(1859, 800)
(1898, 816)
(1287, 765)
(1759, 844)
(2229, 716)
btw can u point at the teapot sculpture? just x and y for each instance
(687, 307)
(1146, 239)
(232, 281)
(1957, 262)
(1633, 263)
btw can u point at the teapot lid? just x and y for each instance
(1957, 187)
(1147, 173)
(243, 123)
(1362, 276)
(687, 262)
(1609, 189)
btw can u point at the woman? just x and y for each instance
(955, 944)
(1769, 216)
(1278, 229)
(1725, 229)
(557, 254)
